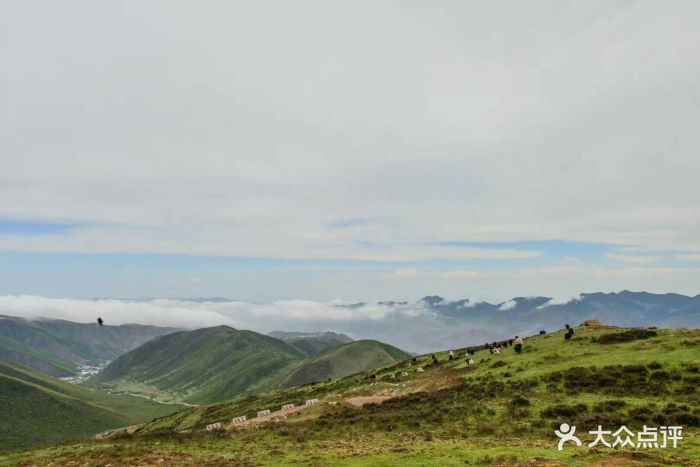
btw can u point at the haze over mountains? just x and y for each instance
(424, 325)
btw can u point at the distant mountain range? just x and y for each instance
(434, 322)
(57, 347)
(526, 315)
(213, 364)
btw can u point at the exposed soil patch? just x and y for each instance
(362, 400)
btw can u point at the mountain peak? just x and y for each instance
(432, 299)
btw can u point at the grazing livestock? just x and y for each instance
(496, 351)
(452, 355)
(543, 332)
(568, 334)
(518, 344)
(435, 360)
(403, 373)
(419, 370)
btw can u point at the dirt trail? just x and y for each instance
(272, 416)
(438, 380)
(362, 400)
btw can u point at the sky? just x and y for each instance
(356, 151)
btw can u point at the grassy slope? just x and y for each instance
(343, 360)
(312, 345)
(55, 347)
(215, 364)
(41, 361)
(502, 411)
(39, 409)
(199, 366)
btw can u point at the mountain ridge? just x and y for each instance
(211, 364)
(57, 347)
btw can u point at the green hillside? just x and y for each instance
(40, 409)
(311, 342)
(214, 364)
(56, 347)
(199, 367)
(344, 360)
(44, 362)
(500, 411)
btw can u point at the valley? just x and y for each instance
(212, 364)
(501, 410)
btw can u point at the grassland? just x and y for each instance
(500, 411)
(40, 409)
(214, 364)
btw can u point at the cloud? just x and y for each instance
(372, 320)
(634, 259)
(509, 305)
(688, 257)
(246, 136)
(467, 274)
(459, 136)
(399, 274)
(562, 300)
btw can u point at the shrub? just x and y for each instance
(627, 335)
(519, 401)
(609, 405)
(660, 375)
(603, 419)
(563, 410)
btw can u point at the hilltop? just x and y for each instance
(213, 364)
(311, 342)
(40, 409)
(58, 347)
(501, 410)
(337, 362)
(200, 366)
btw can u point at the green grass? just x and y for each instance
(500, 412)
(56, 347)
(215, 364)
(43, 361)
(40, 409)
(343, 360)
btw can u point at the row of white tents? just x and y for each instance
(262, 413)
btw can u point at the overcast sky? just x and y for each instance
(356, 150)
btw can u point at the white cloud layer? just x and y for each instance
(261, 128)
